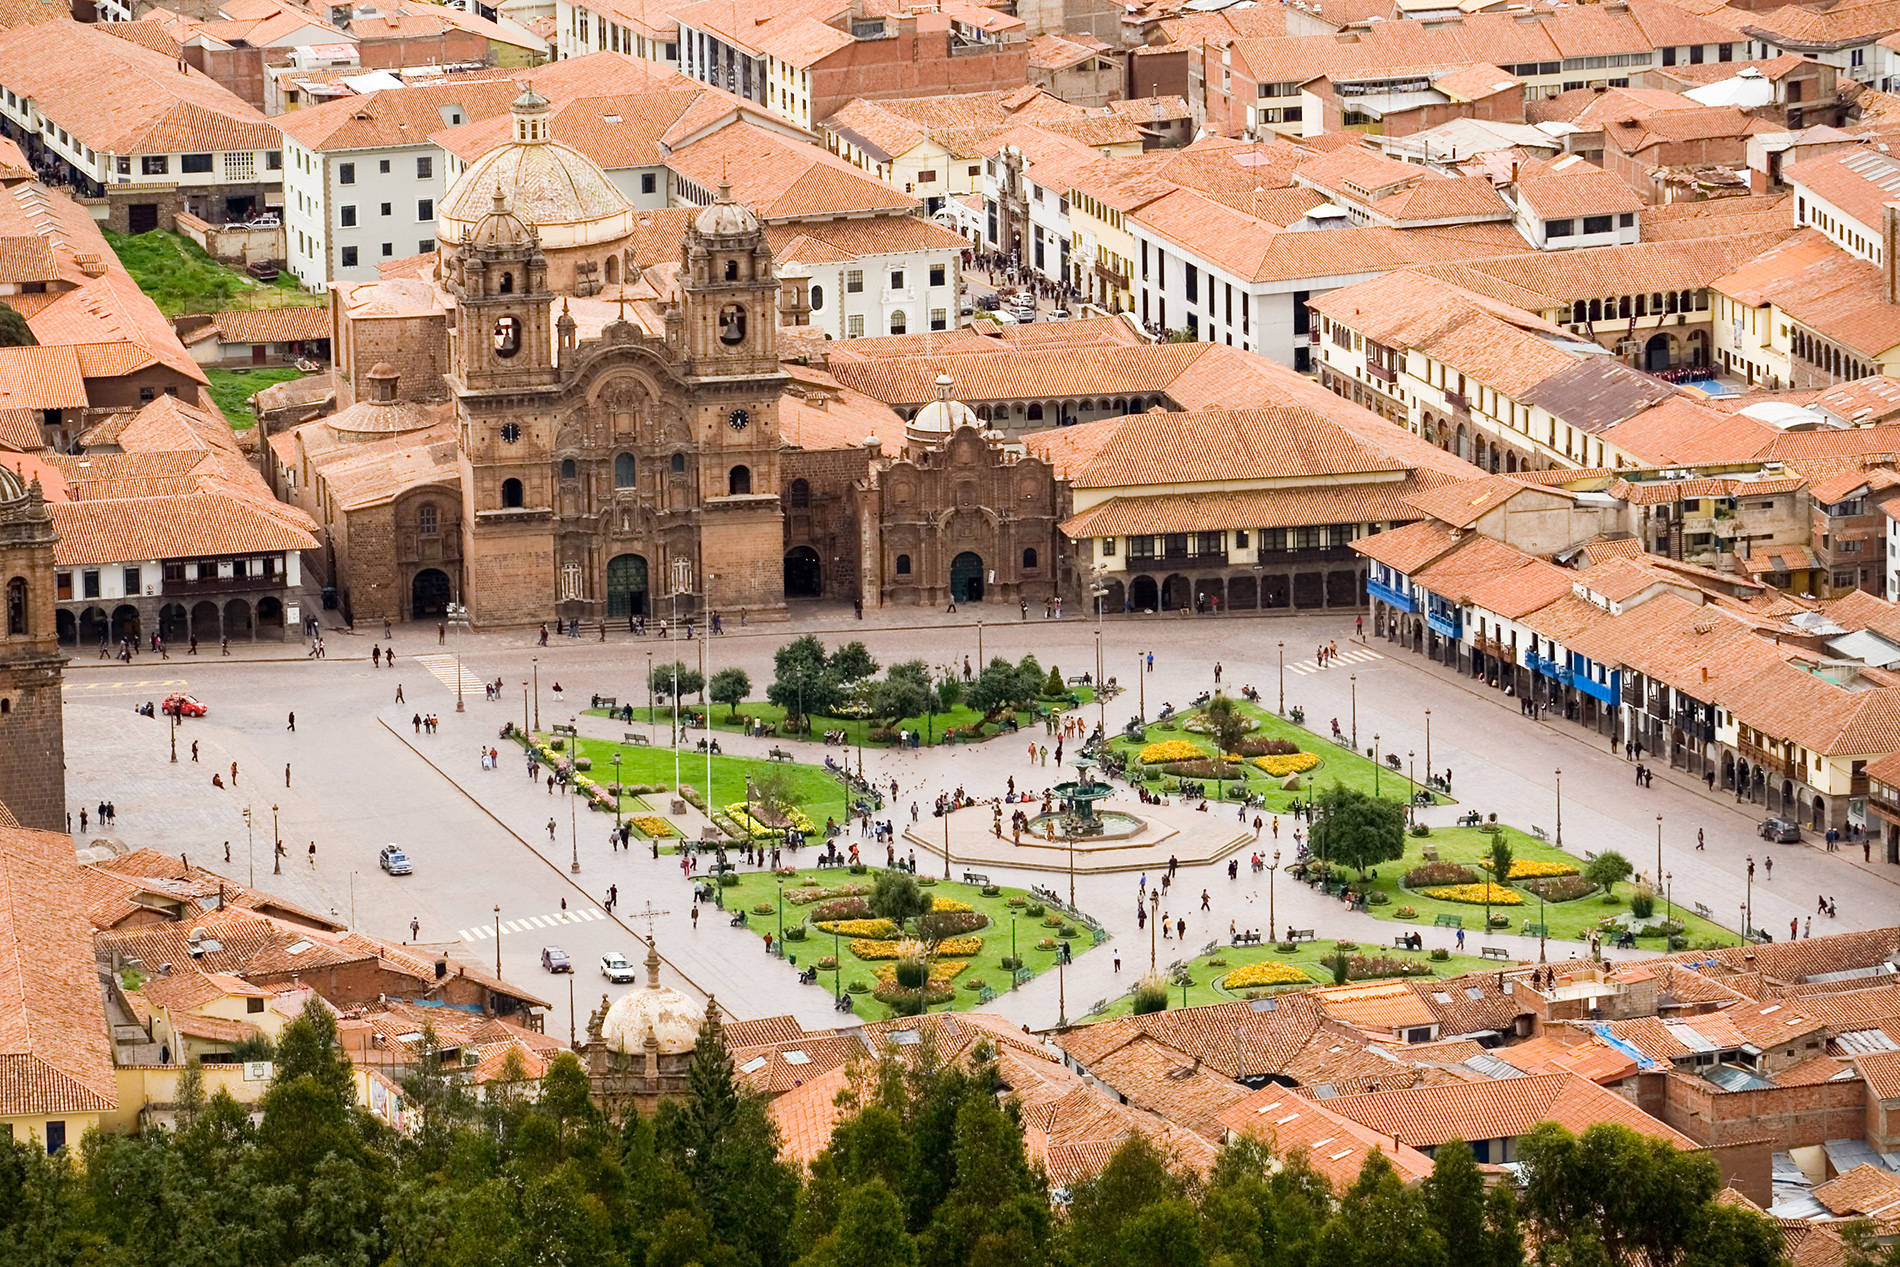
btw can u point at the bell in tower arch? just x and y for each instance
(732, 324)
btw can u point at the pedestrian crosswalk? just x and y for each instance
(444, 668)
(528, 923)
(1347, 655)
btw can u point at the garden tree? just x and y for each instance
(730, 687)
(1607, 869)
(1356, 830)
(948, 692)
(1226, 724)
(1500, 859)
(1103, 1208)
(14, 332)
(771, 790)
(897, 897)
(675, 681)
(852, 663)
(1004, 687)
(869, 1233)
(870, 1145)
(996, 1213)
(1475, 1233)
(903, 692)
(802, 683)
(1381, 1223)
(1623, 1199)
(1259, 1210)
(1052, 687)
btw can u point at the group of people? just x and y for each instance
(425, 723)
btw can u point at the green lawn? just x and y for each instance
(758, 887)
(1337, 764)
(813, 790)
(962, 720)
(1205, 975)
(181, 278)
(233, 389)
(1567, 921)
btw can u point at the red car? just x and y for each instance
(181, 705)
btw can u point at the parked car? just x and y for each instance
(1060, 314)
(263, 270)
(554, 959)
(392, 859)
(989, 302)
(614, 967)
(1781, 831)
(179, 704)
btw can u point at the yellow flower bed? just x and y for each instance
(1266, 972)
(1283, 764)
(1477, 894)
(1532, 869)
(859, 928)
(942, 971)
(1171, 750)
(881, 948)
(652, 825)
(741, 815)
(948, 904)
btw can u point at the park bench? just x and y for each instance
(561, 729)
(1449, 921)
(606, 701)
(1541, 834)
(1302, 934)
(737, 920)
(1495, 952)
(1078, 679)
(1404, 942)
(1702, 909)
(975, 877)
(1250, 937)
(1536, 930)
(637, 739)
(779, 754)
(1471, 819)
(1045, 894)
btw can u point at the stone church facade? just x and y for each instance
(32, 729)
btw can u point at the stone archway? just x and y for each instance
(804, 574)
(67, 627)
(429, 594)
(1143, 594)
(1114, 596)
(1819, 820)
(94, 625)
(1243, 593)
(125, 623)
(270, 618)
(205, 624)
(966, 577)
(1176, 592)
(237, 620)
(627, 586)
(174, 622)
(1658, 352)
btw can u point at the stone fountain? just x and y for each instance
(1078, 818)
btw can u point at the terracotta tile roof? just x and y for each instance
(1241, 1040)
(273, 325)
(1680, 430)
(1544, 280)
(397, 116)
(1154, 1076)
(1408, 549)
(41, 378)
(630, 118)
(1881, 1069)
(1864, 1191)
(854, 239)
(55, 1050)
(805, 1117)
(1594, 1061)
(1808, 1244)
(1822, 287)
(1677, 221)
(1590, 191)
(1425, 1117)
(1795, 961)
(781, 179)
(1834, 25)
(1360, 502)
(771, 1068)
(114, 328)
(121, 98)
(1335, 1146)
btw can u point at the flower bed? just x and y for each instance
(1258, 746)
(802, 897)
(1281, 765)
(1532, 869)
(1171, 750)
(758, 828)
(1266, 972)
(1477, 895)
(891, 994)
(871, 928)
(1430, 873)
(1369, 967)
(942, 971)
(949, 904)
(1205, 768)
(884, 948)
(950, 923)
(839, 908)
(652, 825)
(1560, 888)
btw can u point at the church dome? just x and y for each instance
(380, 414)
(941, 416)
(669, 1017)
(560, 192)
(12, 487)
(724, 218)
(500, 227)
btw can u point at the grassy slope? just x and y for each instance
(233, 389)
(181, 278)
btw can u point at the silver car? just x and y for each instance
(392, 859)
(614, 967)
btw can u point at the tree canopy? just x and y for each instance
(1357, 830)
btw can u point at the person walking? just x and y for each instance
(234, 774)
(550, 829)
(1698, 840)
(1767, 867)
(313, 855)
(291, 726)
(415, 928)
(1204, 901)
(194, 751)
(286, 774)
(399, 692)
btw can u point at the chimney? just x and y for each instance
(382, 383)
(1705, 673)
(1889, 249)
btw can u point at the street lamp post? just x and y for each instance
(781, 915)
(277, 845)
(650, 724)
(1659, 870)
(946, 841)
(1428, 745)
(537, 692)
(837, 969)
(458, 683)
(1352, 684)
(617, 786)
(1141, 690)
(1748, 907)
(705, 676)
(1411, 793)
(1543, 926)
(1375, 763)
(1272, 873)
(1282, 647)
(1669, 898)
(250, 845)
(175, 736)
(1154, 914)
(979, 644)
(1560, 809)
(525, 732)
(573, 829)
(498, 941)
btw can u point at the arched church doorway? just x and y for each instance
(966, 577)
(804, 578)
(627, 586)
(429, 594)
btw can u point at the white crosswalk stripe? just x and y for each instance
(442, 668)
(579, 915)
(1353, 655)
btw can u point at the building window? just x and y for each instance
(936, 274)
(1108, 547)
(939, 318)
(16, 606)
(854, 281)
(427, 522)
(511, 494)
(384, 209)
(1559, 228)
(346, 216)
(677, 465)
(854, 327)
(626, 471)
(133, 584)
(899, 323)
(903, 565)
(649, 183)
(63, 584)
(89, 583)
(425, 167)
(425, 246)
(1596, 224)
(274, 161)
(897, 279)
(349, 257)
(739, 481)
(389, 249)
(155, 164)
(817, 298)
(1627, 220)
(346, 173)
(1029, 560)
(425, 209)
(798, 495)
(194, 164)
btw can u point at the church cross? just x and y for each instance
(649, 915)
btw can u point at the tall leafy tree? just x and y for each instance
(803, 683)
(730, 687)
(1381, 1223)
(1359, 831)
(870, 1232)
